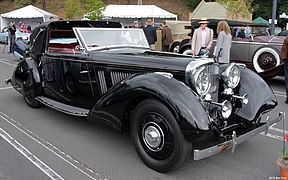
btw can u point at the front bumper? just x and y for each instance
(210, 151)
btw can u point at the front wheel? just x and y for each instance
(157, 137)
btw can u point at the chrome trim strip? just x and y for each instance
(102, 81)
(201, 154)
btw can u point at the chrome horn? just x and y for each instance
(244, 98)
(226, 108)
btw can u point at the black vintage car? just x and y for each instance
(174, 105)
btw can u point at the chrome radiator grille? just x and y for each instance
(214, 69)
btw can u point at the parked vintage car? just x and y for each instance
(260, 52)
(173, 105)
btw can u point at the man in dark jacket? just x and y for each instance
(166, 37)
(12, 37)
(150, 33)
(284, 57)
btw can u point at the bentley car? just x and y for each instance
(175, 106)
(259, 52)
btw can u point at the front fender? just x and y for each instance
(261, 96)
(178, 97)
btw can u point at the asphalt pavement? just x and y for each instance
(45, 144)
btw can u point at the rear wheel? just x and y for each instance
(175, 47)
(187, 51)
(265, 58)
(157, 137)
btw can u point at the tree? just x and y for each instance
(72, 9)
(192, 4)
(22, 3)
(26, 2)
(262, 9)
(94, 9)
(235, 8)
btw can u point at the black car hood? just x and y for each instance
(145, 59)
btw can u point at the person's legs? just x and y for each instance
(165, 48)
(12, 42)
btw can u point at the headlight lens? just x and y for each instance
(202, 80)
(231, 76)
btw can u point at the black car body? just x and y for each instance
(169, 101)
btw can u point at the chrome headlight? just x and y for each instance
(226, 109)
(202, 80)
(231, 76)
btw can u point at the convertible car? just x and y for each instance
(173, 105)
(259, 52)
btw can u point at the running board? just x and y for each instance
(72, 110)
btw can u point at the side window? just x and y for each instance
(62, 41)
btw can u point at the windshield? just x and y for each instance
(99, 38)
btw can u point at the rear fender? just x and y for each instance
(174, 94)
(26, 70)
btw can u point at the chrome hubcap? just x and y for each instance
(153, 136)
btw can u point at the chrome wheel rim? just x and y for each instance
(153, 136)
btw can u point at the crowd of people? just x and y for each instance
(22, 27)
(202, 38)
(151, 34)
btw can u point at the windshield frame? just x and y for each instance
(83, 42)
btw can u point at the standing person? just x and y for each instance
(51, 18)
(202, 38)
(12, 37)
(166, 37)
(284, 57)
(223, 45)
(150, 33)
(135, 24)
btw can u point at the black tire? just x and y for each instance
(168, 150)
(175, 47)
(186, 51)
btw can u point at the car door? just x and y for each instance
(66, 79)
(240, 50)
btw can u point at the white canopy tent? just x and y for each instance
(29, 14)
(129, 13)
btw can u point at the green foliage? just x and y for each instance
(192, 4)
(72, 9)
(237, 7)
(284, 153)
(22, 3)
(262, 9)
(94, 9)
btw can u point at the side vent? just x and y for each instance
(116, 77)
(102, 81)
